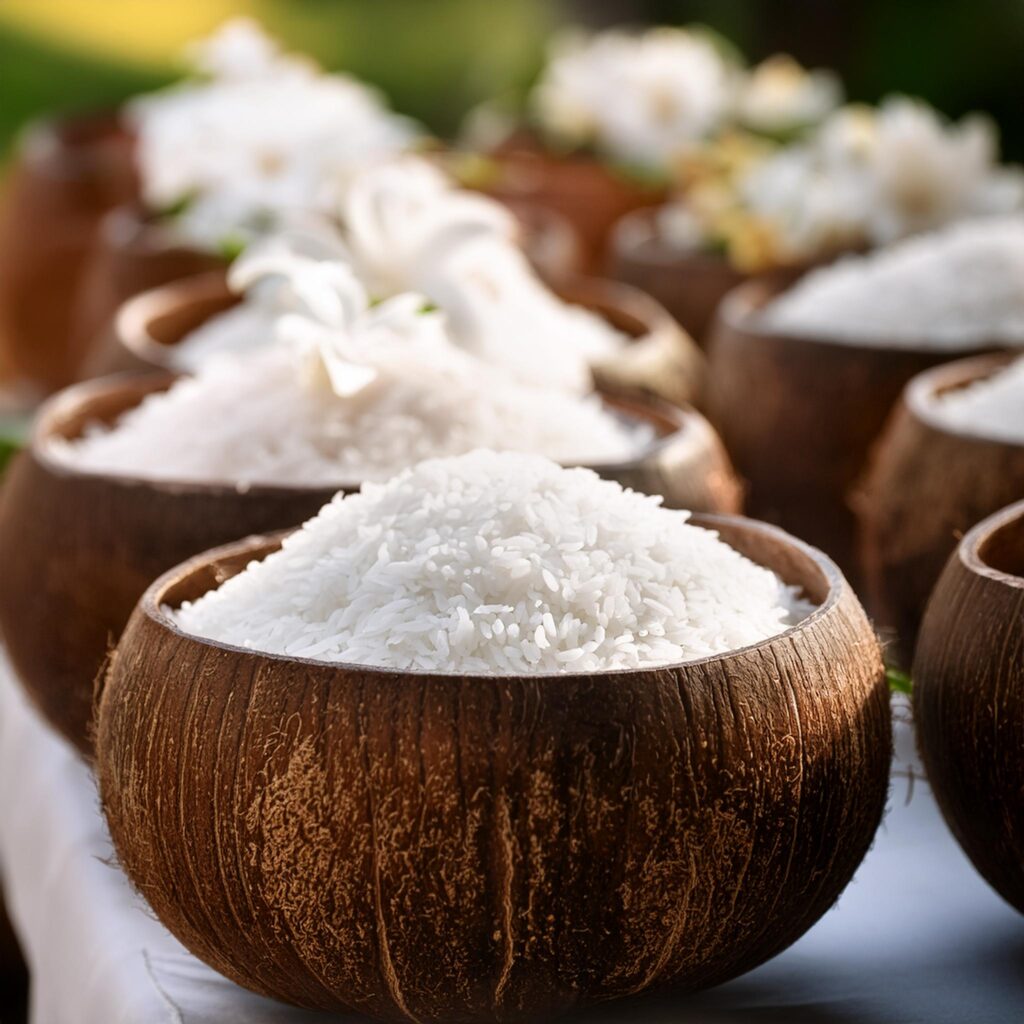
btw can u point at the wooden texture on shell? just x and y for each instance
(927, 485)
(65, 176)
(456, 848)
(969, 698)
(587, 192)
(78, 548)
(799, 416)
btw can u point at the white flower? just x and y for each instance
(639, 99)
(346, 341)
(402, 221)
(260, 143)
(779, 96)
(927, 173)
(238, 49)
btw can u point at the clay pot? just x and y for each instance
(969, 698)
(78, 548)
(433, 847)
(590, 194)
(927, 485)
(67, 173)
(799, 415)
(662, 364)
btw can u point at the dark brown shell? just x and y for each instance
(689, 285)
(799, 416)
(969, 698)
(133, 253)
(65, 176)
(78, 549)
(662, 363)
(433, 847)
(587, 192)
(927, 485)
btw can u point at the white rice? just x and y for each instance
(992, 407)
(255, 418)
(959, 288)
(500, 563)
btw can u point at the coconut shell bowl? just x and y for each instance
(66, 174)
(78, 547)
(434, 847)
(589, 193)
(969, 698)
(662, 362)
(928, 483)
(799, 416)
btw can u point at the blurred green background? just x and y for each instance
(435, 58)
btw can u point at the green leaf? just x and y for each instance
(899, 681)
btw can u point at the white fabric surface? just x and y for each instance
(917, 938)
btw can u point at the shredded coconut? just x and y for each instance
(992, 407)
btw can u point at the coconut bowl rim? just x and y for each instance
(741, 305)
(152, 604)
(923, 390)
(969, 550)
(687, 426)
(135, 315)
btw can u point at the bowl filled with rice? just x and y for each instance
(465, 701)
(958, 437)
(803, 379)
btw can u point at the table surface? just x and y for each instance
(917, 938)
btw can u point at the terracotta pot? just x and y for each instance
(78, 548)
(133, 253)
(589, 193)
(434, 847)
(927, 485)
(67, 173)
(799, 415)
(662, 364)
(969, 698)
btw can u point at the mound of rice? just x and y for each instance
(257, 418)
(959, 288)
(992, 407)
(498, 563)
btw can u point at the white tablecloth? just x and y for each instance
(917, 938)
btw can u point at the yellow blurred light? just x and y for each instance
(143, 31)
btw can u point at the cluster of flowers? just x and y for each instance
(769, 166)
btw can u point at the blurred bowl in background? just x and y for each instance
(798, 415)
(590, 194)
(928, 483)
(661, 364)
(66, 174)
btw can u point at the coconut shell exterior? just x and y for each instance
(969, 698)
(799, 416)
(133, 253)
(78, 549)
(690, 285)
(431, 847)
(927, 485)
(65, 176)
(590, 194)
